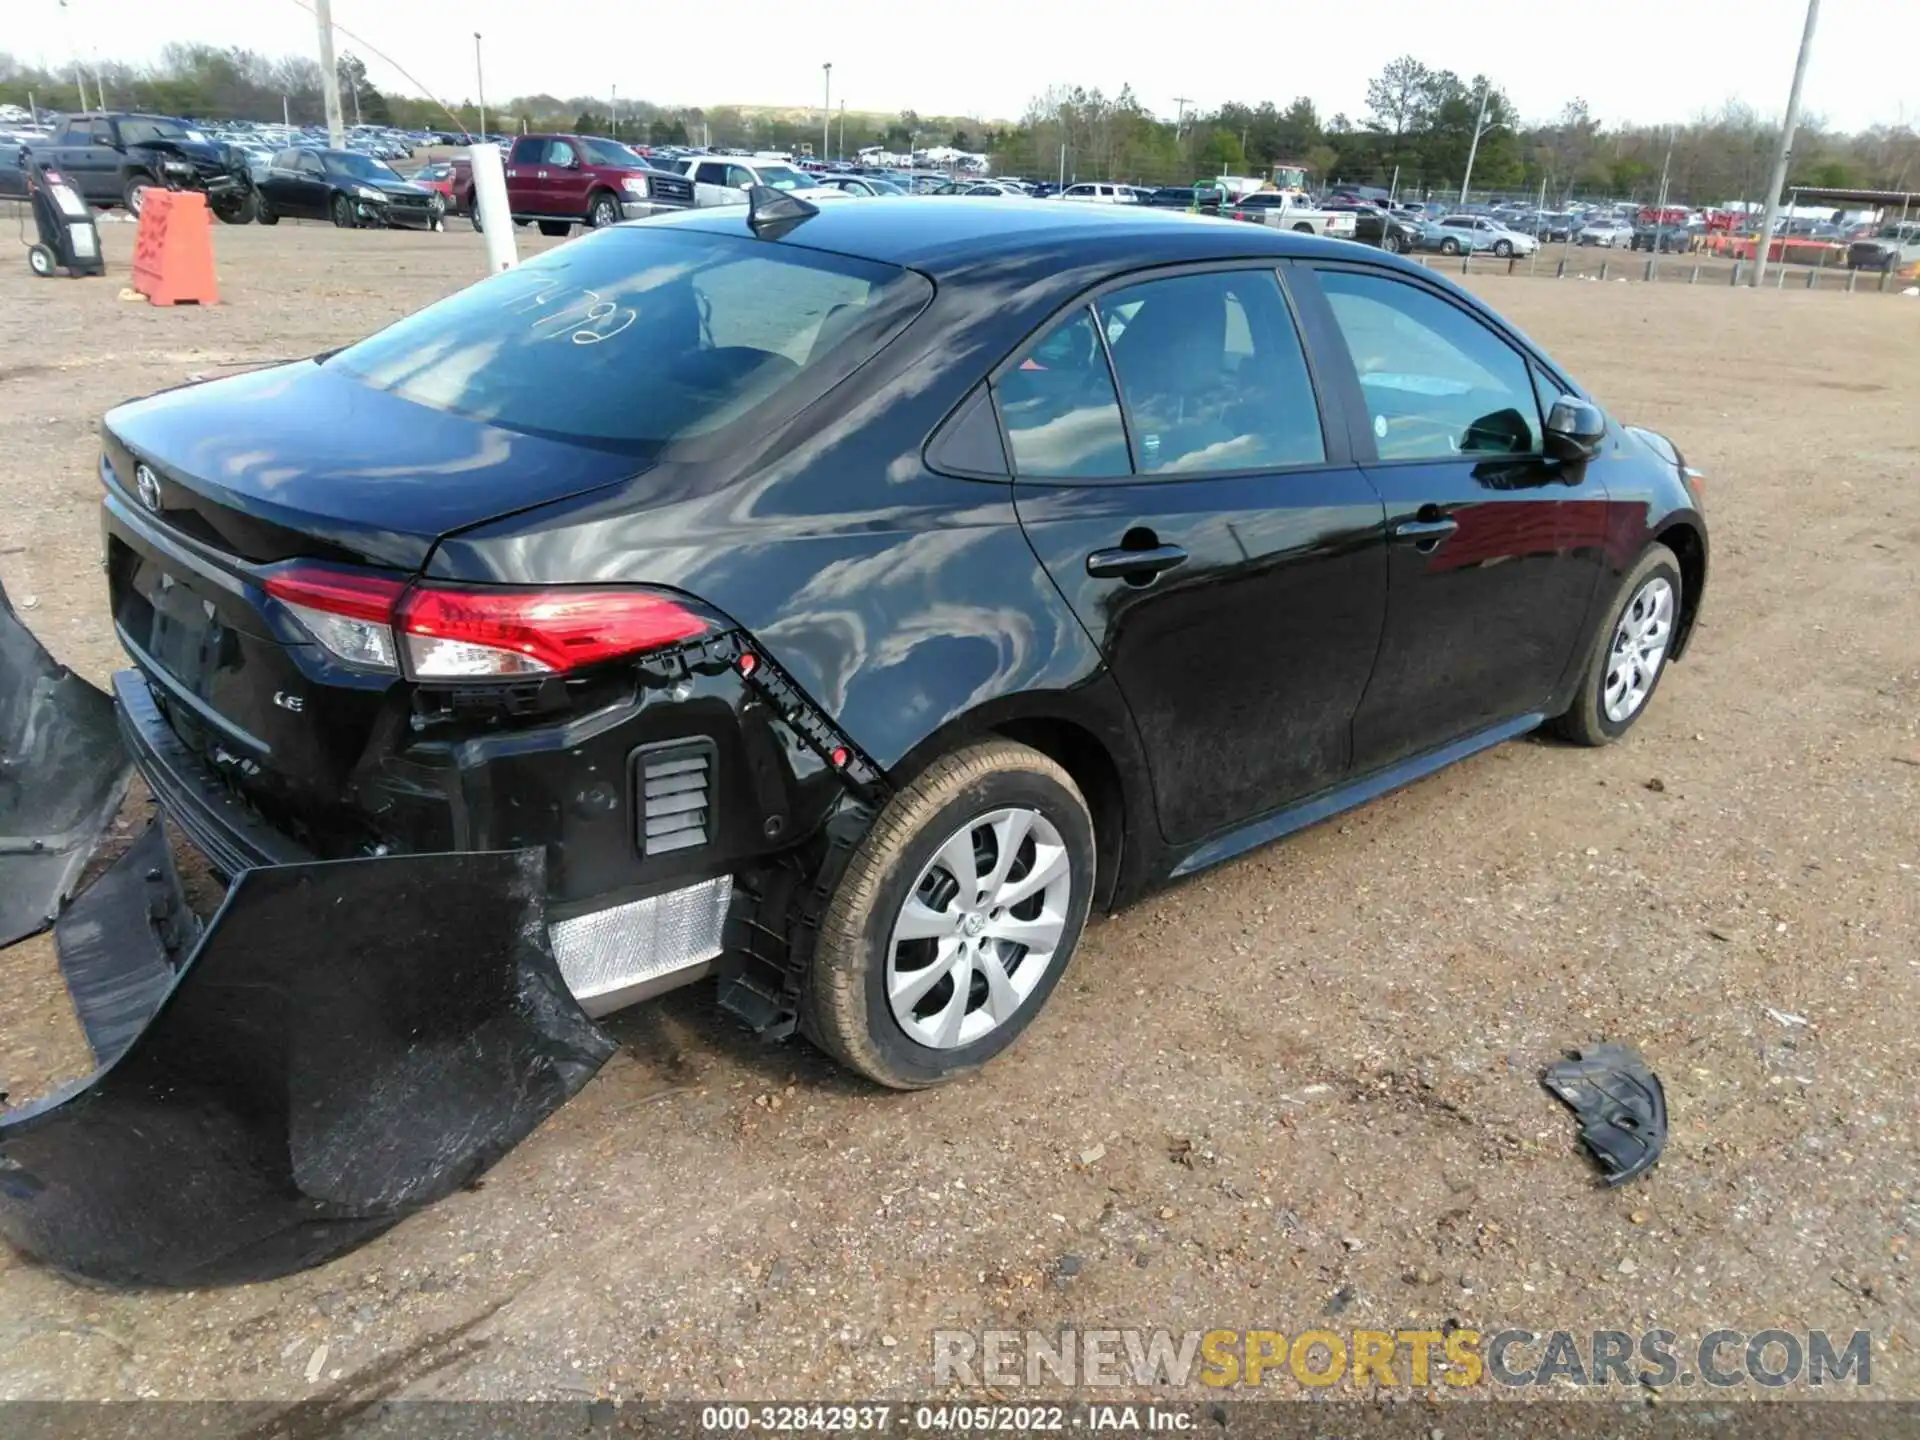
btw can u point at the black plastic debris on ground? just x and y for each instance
(349, 1041)
(63, 772)
(1620, 1105)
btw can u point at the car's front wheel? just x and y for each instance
(604, 212)
(1629, 654)
(1390, 243)
(955, 918)
(1503, 248)
(342, 210)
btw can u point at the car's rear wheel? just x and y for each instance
(1503, 248)
(1449, 247)
(955, 918)
(1629, 654)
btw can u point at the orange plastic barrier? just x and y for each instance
(173, 254)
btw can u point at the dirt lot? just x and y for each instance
(1301, 1087)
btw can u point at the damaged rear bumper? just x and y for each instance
(310, 1074)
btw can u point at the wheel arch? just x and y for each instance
(600, 187)
(1688, 542)
(1091, 740)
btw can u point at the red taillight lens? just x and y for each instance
(456, 633)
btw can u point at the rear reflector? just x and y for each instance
(456, 633)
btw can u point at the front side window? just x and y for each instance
(560, 153)
(1437, 382)
(1060, 409)
(632, 339)
(1213, 373)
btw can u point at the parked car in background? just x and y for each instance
(1552, 226)
(1204, 198)
(1286, 212)
(1493, 235)
(1678, 238)
(437, 177)
(725, 179)
(1442, 240)
(559, 181)
(1606, 232)
(1393, 233)
(991, 188)
(1892, 247)
(617, 541)
(347, 187)
(866, 186)
(115, 158)
(1101, 193)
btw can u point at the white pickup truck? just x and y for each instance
(1278, 207)
(724, 179)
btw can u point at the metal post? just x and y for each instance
(1474, 149)
(286, 113)
(1738, 266)
(33, 110)
(1560, 270)
(841, 152)
(329, 74)
(1784, 153)
(480, 84)
(1852, 275)
(1605, 266)
(613, 111)
(1649, 271)
(1813, 276)
(826, 110)
(1694, 279)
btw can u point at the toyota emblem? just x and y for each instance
(148, 484)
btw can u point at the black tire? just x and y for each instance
(603, 210)
(342, 212)
(1503, 248)
(1303, 228)
(134, 193)
(555, 228)
(845, 1010)
(42, 261)
(263, 212)
(240, 212)
(1449, 247)
(474, 213)
(1391, 243)
(1585, 721)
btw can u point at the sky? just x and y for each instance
(1644, 61)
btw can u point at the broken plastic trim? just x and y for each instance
(349, 1041)
(63, 773)
(1621, 1106)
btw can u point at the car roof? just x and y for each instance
(955, 235)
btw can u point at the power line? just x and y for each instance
(379, 54)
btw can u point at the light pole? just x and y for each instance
(613, 112)
(826, 112)
(1764, 241)
(480, 83)
(1480, 127)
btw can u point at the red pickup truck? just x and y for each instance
(559, 181)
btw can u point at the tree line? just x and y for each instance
(1415, 133)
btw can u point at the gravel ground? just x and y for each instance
(1301, 1087)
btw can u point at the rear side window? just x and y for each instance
(1059, 407)
(1437, 382)
(1213, 374)
(635, 338)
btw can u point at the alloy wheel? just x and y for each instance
(980, 928)
(1639, 649)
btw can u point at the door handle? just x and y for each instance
(1136, 565)
(1425, 535)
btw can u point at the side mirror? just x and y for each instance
(1575, 429)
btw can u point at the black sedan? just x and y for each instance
(1396, 234)
(346, 187)
(848, 600)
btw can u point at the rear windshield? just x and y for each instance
(635, 337)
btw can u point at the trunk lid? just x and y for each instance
(303, 459)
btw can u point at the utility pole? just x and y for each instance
(480, 83)
(1784, 154)
(1473, 150)
(826, 112)
(613, 112)
(1180, 116)
(329, 74)
(356, 102)
(841, 153)
(286, 113)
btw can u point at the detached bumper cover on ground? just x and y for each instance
(349, 1041)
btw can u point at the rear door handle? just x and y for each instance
(1134, 564)
(1425, 534)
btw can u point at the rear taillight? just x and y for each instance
(447, 632)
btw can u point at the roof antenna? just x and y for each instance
(772, 213)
